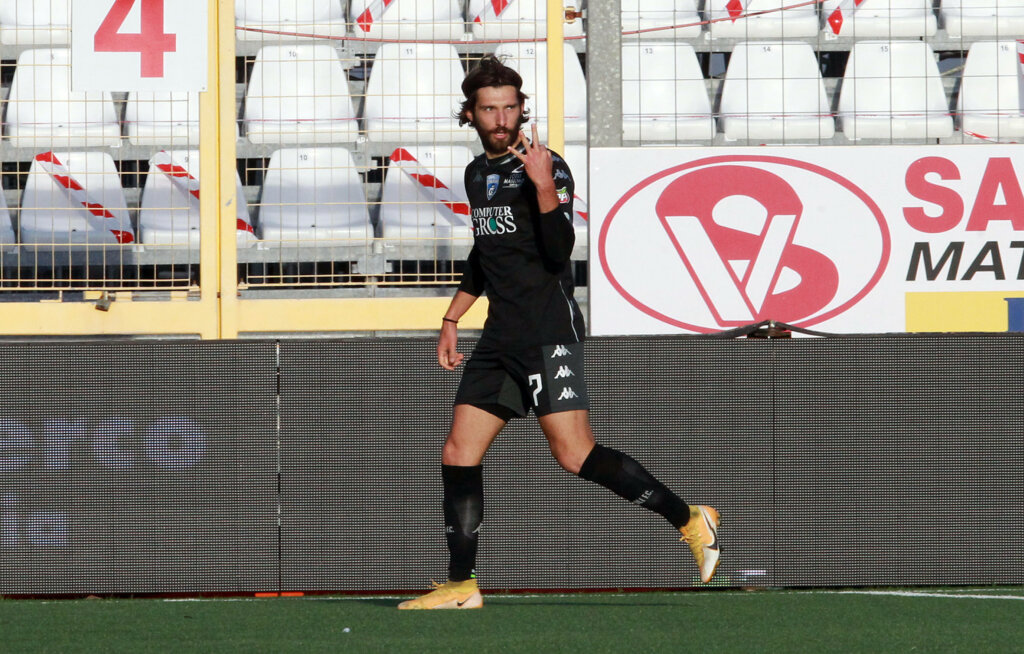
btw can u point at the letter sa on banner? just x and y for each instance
(139, 45)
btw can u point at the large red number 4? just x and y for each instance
(151, 42)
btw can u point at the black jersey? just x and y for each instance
(520, 257)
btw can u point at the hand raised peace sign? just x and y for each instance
(536, 159)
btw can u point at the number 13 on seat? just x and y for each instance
(139, 45)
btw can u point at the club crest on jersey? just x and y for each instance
(492, 185)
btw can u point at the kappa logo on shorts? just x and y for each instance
(560, 351)
(564, 371)
(568, 393)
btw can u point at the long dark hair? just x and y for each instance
(490, 72)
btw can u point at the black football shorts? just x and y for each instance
(547, 379)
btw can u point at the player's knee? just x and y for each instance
(570, 460)
(455, 454)
(450, 453)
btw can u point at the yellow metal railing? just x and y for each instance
(220, 304)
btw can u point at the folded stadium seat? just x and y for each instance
(169, 211)
(516, 19)
(892, 90)
(989, 104)
(73, 199)
(531, 60)
(424, 209)
(43, 112)
(313, 197)
(983, 18)
(8, 242)
(659, 16)
(277, 20)
(576, 156)
(35, 22)
(773, 91)
(162, 117)
(430, 20)
(879, 18)
(414, 93)
(664, 95)
(299, 93)
(759, 19)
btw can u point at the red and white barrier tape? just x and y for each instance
(187, 184)
(372, 14)
(1020, 74)
(491, 10)
(736, 8)
(579, 208)
(95, 213)
(836, 18)
(429, 186)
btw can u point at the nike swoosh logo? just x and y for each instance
(459, 604)
(714, 534)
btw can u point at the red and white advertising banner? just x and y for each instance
(835, 239)
(139, 45)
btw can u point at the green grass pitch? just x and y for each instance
(922, 620)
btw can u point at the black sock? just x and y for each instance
(622, 475)
(463, 515)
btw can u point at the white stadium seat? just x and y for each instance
(313, 197)
(276, 20)
(169, 213)
(761, 19)
(664, 96)
(989, 104)
(520, 19)
(162, 117)
(431, 20)
(659, 16)
(299, 93)
(773, 91)
(43, 112)
(983, 18)
(414, 93)
(531, 61)
(880, 19)
(892, 90)
(35, 22)
(7, 239)
(51, 217)
(413, 216)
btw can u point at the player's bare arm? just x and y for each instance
(448, 355)
(536, 160)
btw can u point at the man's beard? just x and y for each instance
(491, 146)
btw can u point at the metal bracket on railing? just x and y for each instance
(103, 301)
(571, 14)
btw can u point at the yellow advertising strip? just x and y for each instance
(958, 312)
(556, 77)
(350, 314)
(122, 318)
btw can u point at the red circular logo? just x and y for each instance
(736, 239)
